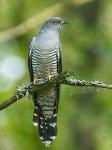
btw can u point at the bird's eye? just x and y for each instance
(54, 22)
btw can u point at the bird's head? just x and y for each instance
(55, 23)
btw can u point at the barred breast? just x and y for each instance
(44, 62)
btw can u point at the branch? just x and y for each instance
(44, 84)
(40, 85)
(34, 21)
(76, 82)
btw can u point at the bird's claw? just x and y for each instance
(49, 77)
(35, 79)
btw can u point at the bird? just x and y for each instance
(45, 59)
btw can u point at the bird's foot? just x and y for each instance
(35, 79)
(49, 77)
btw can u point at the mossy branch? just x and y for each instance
(44, 83)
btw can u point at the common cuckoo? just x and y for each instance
(45, 60)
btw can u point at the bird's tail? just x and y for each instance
(47, 128)
(45, 117)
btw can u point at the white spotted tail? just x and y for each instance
(47, 127)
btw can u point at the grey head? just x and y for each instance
(55, 23)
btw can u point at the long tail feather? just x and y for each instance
(48, 129)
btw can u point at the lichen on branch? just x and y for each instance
(44, 84)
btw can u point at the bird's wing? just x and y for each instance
(59, 60)
(30, 62)
(59, 70)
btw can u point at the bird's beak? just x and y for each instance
(65, 22)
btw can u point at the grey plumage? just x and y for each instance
(45, 59)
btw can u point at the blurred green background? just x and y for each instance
(85, 114)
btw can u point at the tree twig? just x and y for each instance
(41, 84)
(44, 84)
(75, 82)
